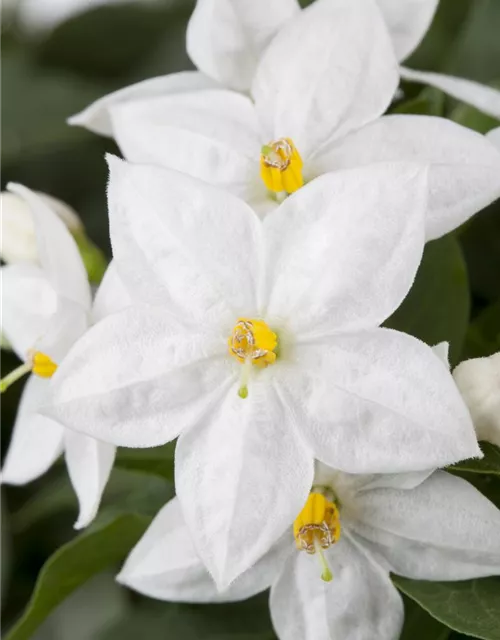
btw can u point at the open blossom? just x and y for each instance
(479, 383)
(46, 307)
(329, 573)
(257, 343)
(316, 105)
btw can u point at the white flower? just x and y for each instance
(317, 97)
(46, 307)
(258, 345)
(352, 532)
(479, 384)
(494, 136)
(18, 229)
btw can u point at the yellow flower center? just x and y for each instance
(317, 527)
(38, 363)
(252, 343)
(281, 166)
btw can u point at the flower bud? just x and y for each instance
(18, 229)
(479, 384)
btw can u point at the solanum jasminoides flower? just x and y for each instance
(257, 343)
(18, 227)
(479, 382)
(316, 106)
(46, 307)
(329, 572)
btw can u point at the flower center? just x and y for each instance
(252, 343)
(281, 166)
(317, 527)
(38, 363)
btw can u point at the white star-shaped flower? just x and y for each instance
(258, 344)
(329, 573)
(316, 105)
(46, 307)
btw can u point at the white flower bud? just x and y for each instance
(18, 231)
(479, 384)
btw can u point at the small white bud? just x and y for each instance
(479, 383)
(18, 232)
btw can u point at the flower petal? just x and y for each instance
(360, 603)
(89, 463)
(342, 252)
(408, 22)
(494, 137)
(164, 565)
(479, 382)
(211, 135)
(225, 38)
(36, 441)
(379, 402)
(96, 117)
(58, 254)
(328, 71)
(444, 529)
(137, 378)
(464, 167)
(112, 295)
(173, 238)
(484, 98)
(242, 476)
(29, 302)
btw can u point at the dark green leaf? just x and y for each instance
(104, 544)
(469, 117)
(489, 465)
(420, 625)
(483, 335)
(156, 461)
(468, 606)
(429, 102)
(437, 307)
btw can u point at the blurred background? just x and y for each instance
(60, 55)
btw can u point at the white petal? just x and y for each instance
(164, 565)
(328, 71)
(29, 303)
(36, 441)
(211, 135)
(112, 296)
(342, 252)
(225, 38)
(442, 350)
(484, 98)
(379, 402)
(57, 251)
(360, 603)
(89, 464)
(242, 477)
(408, 22)
(96, 117)
(66, 326)
(494, 137)
(137, 378)
(464, 167)
(173, 238)
(479, 383)
(444, 529)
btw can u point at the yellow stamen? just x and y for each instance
(43, 365)
(38, 363)
(252, 343)
(316, 528)
(281, 166)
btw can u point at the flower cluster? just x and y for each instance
(266, 221)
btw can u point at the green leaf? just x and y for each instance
(419, 624)
(489, 465)
(248, 620)
(437, 306)
(483, 334)
(156, 461)
(429, 102)
(104, 544)
(470, 117)
(469, 606)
